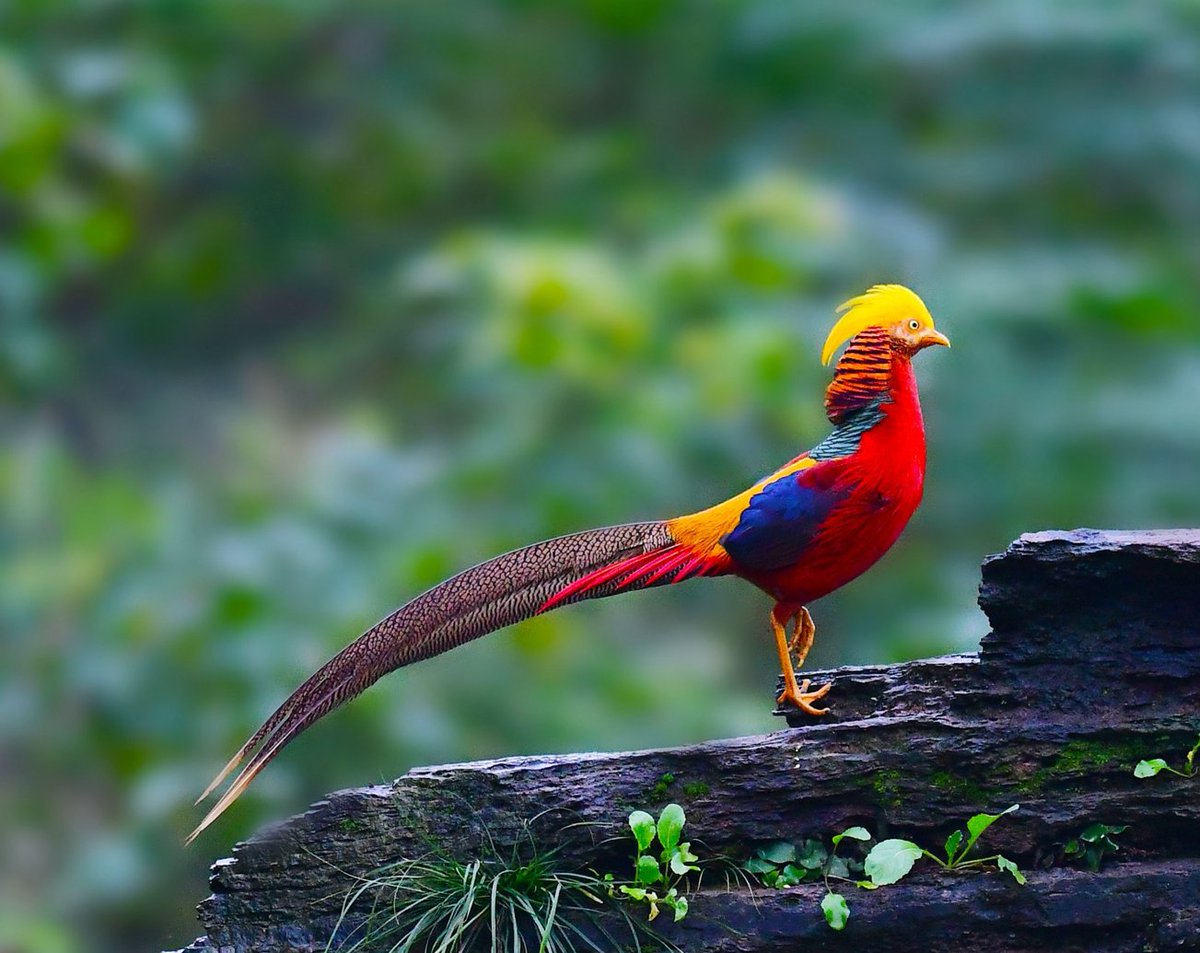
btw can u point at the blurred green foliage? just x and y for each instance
(306, 305)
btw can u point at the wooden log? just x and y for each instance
(1092, 664)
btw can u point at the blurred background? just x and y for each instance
(305, 306)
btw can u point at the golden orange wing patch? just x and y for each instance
(702, 532)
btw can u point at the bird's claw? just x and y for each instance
(802, 637)
(802, 698)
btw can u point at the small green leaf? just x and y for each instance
(670, 825)
(854, 833)
(756, 865)
(680, 905)
(682, 860)
(839, 867)
(952, 845)
(812, 855)
(781, 852)
(866, 885)
(634, 893)
(1005, 864)
(648, 871)
(1071, 846)
(1148, 769)
(836, 911)
(890, 860)
(642, 825)
(981, 822)
(791, 875)
(1094, 833)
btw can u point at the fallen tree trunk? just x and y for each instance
(1093, 663)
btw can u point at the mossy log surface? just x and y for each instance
(1093, 663)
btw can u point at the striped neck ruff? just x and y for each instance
(863, 375)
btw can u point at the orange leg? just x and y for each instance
(801, 642)
(802, 636)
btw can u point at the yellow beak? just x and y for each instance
(932, 336)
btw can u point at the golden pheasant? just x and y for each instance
(798, 534)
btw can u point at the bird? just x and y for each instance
(799, 533)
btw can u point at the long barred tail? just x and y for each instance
(482, 599)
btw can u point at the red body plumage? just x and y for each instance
(878, 487)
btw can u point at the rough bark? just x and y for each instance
(1092, 663)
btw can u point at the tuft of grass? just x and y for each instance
(519, 903)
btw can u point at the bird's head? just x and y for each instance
(897, 310)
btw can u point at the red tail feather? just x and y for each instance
(641, 571)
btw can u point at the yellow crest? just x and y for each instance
(880, 305)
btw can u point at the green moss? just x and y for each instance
(1083, 757)
(351, 825)
(960, 788)
(887, 787)
(659, 791)
(696, 789)
(1078, 756)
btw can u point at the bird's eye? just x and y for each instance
(914, 324)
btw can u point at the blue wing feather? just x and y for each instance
(781, 520)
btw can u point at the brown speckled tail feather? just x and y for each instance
(480, 600)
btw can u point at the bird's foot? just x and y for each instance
(802, 637)
(802, 698)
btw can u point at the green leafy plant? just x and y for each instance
(658, 874)
(1093, 843)
(833, 904)
(1148, 769)
(891, 860)
(783, 864)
